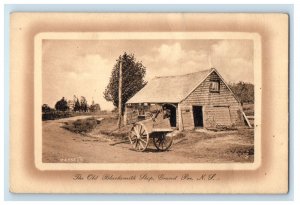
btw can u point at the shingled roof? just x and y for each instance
(169, 89)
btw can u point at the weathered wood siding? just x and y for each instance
(219, 108)
(187, 117)
(131, 115)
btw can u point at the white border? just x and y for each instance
(143, 36)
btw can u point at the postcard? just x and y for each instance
(169, 103)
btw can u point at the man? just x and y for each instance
(166, 113)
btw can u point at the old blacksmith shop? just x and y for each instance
(194, 100)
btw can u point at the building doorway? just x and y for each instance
(172, 109)
(198, 116)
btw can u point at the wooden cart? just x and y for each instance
(157, 127)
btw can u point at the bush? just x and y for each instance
(243, 91)
(53, 115)
(81, 125)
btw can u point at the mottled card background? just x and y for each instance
(270, 177)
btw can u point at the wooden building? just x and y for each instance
(195, 100)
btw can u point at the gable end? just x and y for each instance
(203, 88)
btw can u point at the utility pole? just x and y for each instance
(120, 91)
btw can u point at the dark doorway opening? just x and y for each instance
(172, 110)
(198, 116)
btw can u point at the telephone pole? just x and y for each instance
(120, 91)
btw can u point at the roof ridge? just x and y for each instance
(187, 74)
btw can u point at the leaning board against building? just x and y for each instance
(195, 100)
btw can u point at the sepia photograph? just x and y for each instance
(180, 100)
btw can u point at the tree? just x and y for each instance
(46, 108)
(61, 105)
(243, 91)
(132, 80)
(94, 107)
(83, 104)
(77, 105)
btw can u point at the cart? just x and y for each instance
(157, 128)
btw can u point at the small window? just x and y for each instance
(214, 87)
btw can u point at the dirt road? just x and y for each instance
(61, 145)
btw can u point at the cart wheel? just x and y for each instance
(163, 141)
(139, 137)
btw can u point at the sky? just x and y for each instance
(83, 67)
